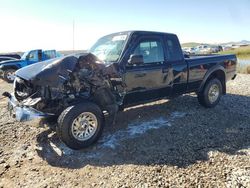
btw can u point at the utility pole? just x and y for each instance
(73, 36)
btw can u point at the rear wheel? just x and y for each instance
(9, 75)
(211, 93)
(80, 125)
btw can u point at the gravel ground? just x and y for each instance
(174, 143)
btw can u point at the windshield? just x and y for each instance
(24, 55)
(109, 48)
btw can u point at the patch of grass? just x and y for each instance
(243, 68)
(241, 53)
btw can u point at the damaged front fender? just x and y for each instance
(55, 84)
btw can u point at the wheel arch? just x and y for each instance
(66, 119)
(78, 101)
(215, 72)
(15, 67)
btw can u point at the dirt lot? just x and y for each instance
(174, 143)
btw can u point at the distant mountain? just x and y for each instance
(245, 41)
(239, 42)
(194, 44)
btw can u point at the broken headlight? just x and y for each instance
(22, 89)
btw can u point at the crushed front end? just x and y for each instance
(45, 89)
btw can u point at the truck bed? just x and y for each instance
(198, 66)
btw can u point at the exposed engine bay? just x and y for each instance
(52, 86)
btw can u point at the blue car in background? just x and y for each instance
(8, 68)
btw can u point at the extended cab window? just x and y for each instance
(174, 52)
(151, 50)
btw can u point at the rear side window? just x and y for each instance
(174, 52)
(50, 54)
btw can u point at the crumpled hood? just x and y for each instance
(11, 62)
(51, 72)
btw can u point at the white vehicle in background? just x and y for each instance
(204, 49)
(189, 50)
(216, 48)
(208, 49)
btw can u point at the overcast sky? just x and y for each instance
(30, 24)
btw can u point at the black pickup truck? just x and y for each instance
(120, 70)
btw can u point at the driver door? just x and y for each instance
(34, 57)
(148, 80)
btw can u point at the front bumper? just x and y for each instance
(24, 113)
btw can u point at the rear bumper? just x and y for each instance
(24, 113)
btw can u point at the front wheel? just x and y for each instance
(80, 125)
(9, 75)
(211, 93)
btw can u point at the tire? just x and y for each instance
(210, 95)
(75, 119)
(7, 75)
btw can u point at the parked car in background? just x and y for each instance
(9, 67)
(215, 48)
(204, 49)
(16, 56)
(190, 50)
(5, 58)
(227, 47)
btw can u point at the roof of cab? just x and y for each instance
(140, 32)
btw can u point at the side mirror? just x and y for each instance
(135, 59)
